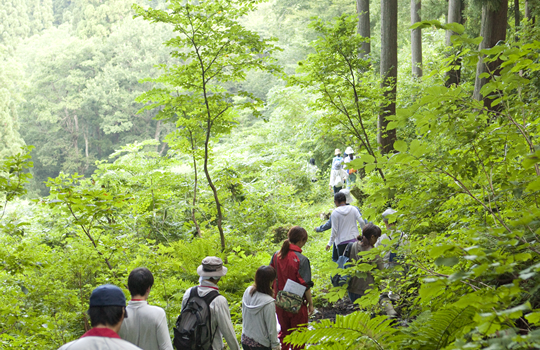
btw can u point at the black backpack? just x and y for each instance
(193, 329)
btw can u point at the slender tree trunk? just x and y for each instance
(455, 11)
(362, 8)
(517, 17)
(528, 7)
(516, 13)
(493, 30)
(416, 39)
(219, 218)
(386, 138)
(194, 187)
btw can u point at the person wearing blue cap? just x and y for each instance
(107, 311)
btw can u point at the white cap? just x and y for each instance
(387, 212)
(349, 150)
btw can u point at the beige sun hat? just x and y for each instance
(337, 151)
(212, 266)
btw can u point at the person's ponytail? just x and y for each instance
(284, 249)
(296, 234)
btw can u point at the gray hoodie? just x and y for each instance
(259, 318)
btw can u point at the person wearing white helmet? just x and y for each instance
(349, 152)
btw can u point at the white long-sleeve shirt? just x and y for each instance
(344, 226)
(146, 327)
(336, 176)
(220, 317)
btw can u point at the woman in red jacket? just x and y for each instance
(291, 264)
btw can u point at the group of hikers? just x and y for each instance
(205, 317)
(277, 302)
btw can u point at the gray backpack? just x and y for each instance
(193, 329)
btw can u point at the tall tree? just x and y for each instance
(455, 15)
(493, 30)
(213, 50)
(389, 62)
(416, 39)
(364, 29)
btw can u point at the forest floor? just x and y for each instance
(340, 307)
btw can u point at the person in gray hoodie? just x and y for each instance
(259, 324)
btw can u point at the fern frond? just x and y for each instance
(355, 331)
(442, 328)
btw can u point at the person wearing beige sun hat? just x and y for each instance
(210, 271)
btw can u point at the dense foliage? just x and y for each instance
(126, 113)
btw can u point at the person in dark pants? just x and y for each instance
(328, 225)
(344, 227)
(359, 285)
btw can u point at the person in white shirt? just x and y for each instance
(107, 311)
(388, 257)
(147, 324)
(337, 174)
(210, 271)
(344, 227)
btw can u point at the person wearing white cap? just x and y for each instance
(210, 271)
(350, 171)
(389, 256)
(337, 174)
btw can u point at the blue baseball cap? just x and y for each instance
(107, 295)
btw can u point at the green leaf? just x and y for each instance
(400, 146)
(533, 317)
(455, 27)
(443, 261)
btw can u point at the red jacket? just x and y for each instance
(294, 266)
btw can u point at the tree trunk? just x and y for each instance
(386, 138)
(528, 7)
(416, 39)
(493, 30)
(194, 186)
(516, 13)
(219, 218)
(455, 11)
(362, 8)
